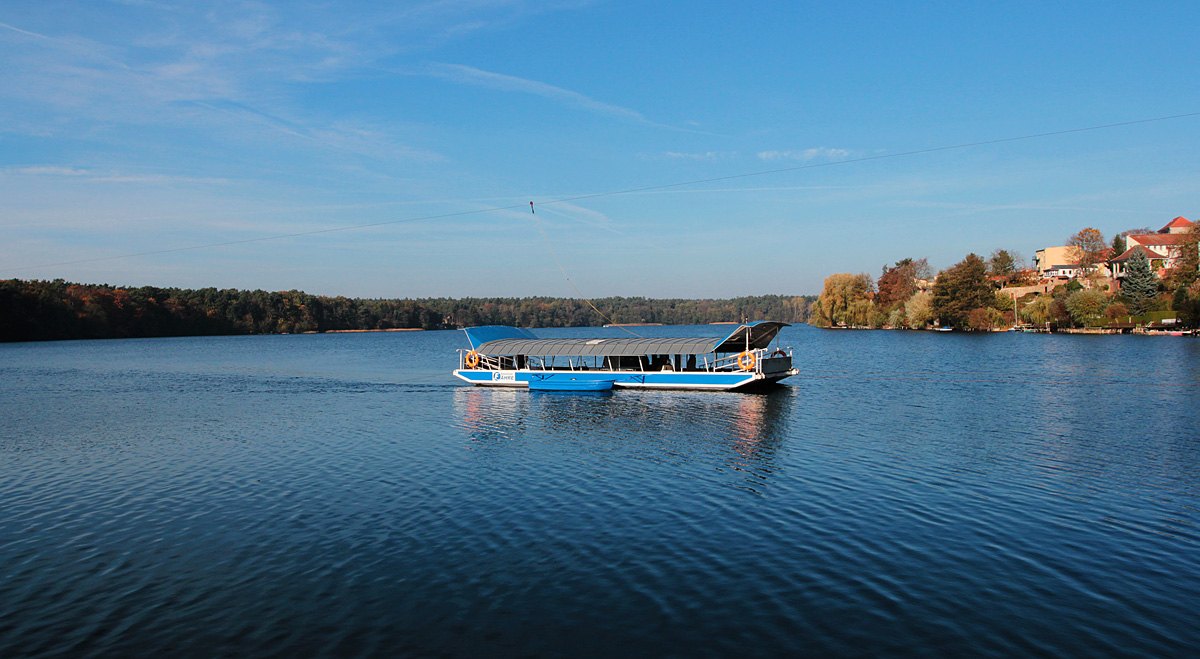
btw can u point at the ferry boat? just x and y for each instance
(503, 356)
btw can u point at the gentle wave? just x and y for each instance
(280, 496)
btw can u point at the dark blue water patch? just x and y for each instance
(910, 493)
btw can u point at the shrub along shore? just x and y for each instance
(37, 310)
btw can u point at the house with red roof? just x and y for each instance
(1167, 242)
(1178, 225)
(1163, 248)
(1117, 265)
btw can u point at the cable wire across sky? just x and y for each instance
(613, 193)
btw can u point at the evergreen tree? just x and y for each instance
(960, 290)
(1002, 264)
(1140, 285)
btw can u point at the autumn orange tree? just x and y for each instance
(1088, 248)
(899, 282)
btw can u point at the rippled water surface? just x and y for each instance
(333, 495)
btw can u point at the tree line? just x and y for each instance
(36, 310)
(907, 295)
(969, 295)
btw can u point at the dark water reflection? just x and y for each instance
(332, 495)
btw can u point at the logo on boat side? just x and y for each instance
(497, 375)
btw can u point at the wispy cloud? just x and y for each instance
(469, 75)
(342, 136)
(433, 22)
(807, 155)
(231, 67)
(594, 219)
(582, 215)
(240, 62)
(26, 32)
(46, 170)
(104, 176)
(710, 156)
(786, 188)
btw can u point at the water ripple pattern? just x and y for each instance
(343, 495)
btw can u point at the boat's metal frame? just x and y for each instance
(511, 357)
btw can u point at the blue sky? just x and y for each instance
(142, 125)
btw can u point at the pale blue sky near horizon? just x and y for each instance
(141, 125)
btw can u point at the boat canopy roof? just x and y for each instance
(481, 335)
(503, 340)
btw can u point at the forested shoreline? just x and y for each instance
(983, 295)
(40, 310)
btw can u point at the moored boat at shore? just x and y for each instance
(502, 356)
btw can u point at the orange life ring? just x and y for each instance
(779, 353)
(472, 359)
(745, 361)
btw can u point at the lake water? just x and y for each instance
(342, 495)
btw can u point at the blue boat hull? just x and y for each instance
(552, 384)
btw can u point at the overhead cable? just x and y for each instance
(613, 193)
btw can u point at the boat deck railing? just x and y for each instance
(764, 360)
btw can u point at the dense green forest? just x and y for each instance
(46, 310)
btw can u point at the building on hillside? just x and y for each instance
(1167, 241)
(1063, 261)
(1163, 248)
(1026, 275)
(1049, 258)
(1117, 266)
(1061, 271)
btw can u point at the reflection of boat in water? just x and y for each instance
(502, 356)
(743, 431)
